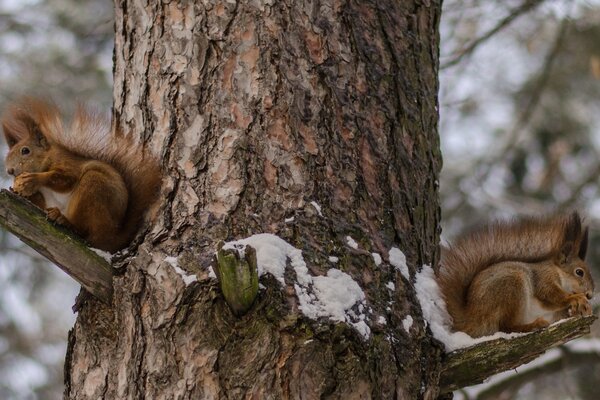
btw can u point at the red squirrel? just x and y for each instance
(94, 181)
(517, 276)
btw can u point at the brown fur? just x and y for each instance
(111, 180)
(504, 275)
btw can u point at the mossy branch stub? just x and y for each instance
(238, 277)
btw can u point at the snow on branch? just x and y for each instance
(60, 246)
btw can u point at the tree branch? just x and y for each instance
(57, 244)
(527, 6)
(472, 365)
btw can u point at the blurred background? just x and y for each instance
(520, 132)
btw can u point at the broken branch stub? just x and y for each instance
(237, 272)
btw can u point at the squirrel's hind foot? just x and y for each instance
(53, 214)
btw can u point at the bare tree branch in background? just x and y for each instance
(508, 388)
(528, 5)
(488, 162)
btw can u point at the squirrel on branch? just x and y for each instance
(517, 276)
(94, 181)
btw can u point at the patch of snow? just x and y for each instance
(317, 207)
(434, 312)
(381, 320)
(174, 261)
(333, 259)
(240, 248)
(376, 258)
(288, 220)
(188, 279)
(335, 296)
(104, 254)
(351, 242)
(407, 323)
(363, 329)
(398, 260)
(390, 285)
(211, 273)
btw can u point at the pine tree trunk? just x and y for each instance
(257, 109)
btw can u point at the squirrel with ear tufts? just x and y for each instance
(97, 182)
(517, 276)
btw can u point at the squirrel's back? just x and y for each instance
(90, 136)
(529, 240)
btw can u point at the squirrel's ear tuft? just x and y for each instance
(583, 245)
(35, 132)
(566, 253)
(10, 137)
(13, 129)
(573, 231)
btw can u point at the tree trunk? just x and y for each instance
(324, 111)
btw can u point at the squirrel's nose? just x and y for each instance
(10, 171)
(589, 295)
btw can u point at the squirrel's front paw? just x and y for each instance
(54, 214)
(579, 305)
(25, 184)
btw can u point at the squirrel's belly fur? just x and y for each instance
(56, 199)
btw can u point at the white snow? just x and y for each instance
(174, 261)
(376, 258)
(398, 260)
(434, 312)
(211, 272)
(390, 285)
(407, 323)
(288, 220)
(104, 254)
(381, 320)
(335, 296)
(333, 259)
(351, 242)
(188, 279)
(317, 207)
(272, 253)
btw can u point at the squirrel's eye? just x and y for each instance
(25, 151)
(579, 272)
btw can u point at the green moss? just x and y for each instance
(238, 278)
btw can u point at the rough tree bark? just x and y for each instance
(256, 109)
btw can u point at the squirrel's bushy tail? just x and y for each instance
(531, 239)
(90, 135)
